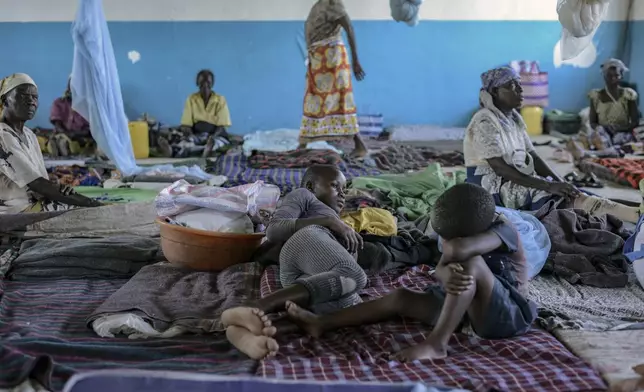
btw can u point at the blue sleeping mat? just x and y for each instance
(150, 381)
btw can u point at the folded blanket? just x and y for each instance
(293, 159)
(585, 249)
(164, 300)
(113, 257)
(403, 158)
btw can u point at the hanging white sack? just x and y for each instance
(406, 11)
(580, 20)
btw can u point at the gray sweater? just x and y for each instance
(299, 204)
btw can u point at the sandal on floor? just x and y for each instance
(591, 181)
(574, 179)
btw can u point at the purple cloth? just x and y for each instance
(62, 111)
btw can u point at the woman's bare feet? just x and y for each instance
(252, 319)
(425, 350)
(210, 145)
(360, 150)
(304, 319)
(256, 347)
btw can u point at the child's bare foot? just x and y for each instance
(252, 319)
(304, 319)
(425, 350)
(256, 347)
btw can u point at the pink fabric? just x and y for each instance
(62, 111)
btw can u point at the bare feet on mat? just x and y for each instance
(304, 319)
(256, 347)
(164, 147)
(252, 319)
(426, 350)
(359, 152)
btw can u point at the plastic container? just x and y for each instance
(140, 135)
(206, 250)
(533, 117)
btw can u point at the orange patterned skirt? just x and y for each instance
(329, 108)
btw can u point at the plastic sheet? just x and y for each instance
(249, 199)
(580, 20)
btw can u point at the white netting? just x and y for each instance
(579, 20)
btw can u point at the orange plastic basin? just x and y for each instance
(206, 250)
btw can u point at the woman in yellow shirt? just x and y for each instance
(204, 120)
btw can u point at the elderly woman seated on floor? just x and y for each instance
(203, 123)
(24, 183)
(71, 131)
(613, 110)
(500, 157)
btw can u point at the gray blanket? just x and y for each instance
(585, 249)
(167, 296)
(109, 220)
(112, 257)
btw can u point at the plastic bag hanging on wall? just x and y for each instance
(580, 20)
(406, 11)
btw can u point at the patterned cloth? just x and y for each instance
(329, 107)
(293, 159)
(239, 172)
(402, 158)
(497, 77)
(533, 362)
(589, 166)
(630, 171)
(75, 176)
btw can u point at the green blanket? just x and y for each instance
(413, 194)
(117, 195)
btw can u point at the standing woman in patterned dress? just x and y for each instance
(329, 106)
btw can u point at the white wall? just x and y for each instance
(258, 10)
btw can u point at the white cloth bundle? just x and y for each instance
(406, 11)
(580, 20)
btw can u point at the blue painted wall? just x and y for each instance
(637, 57)
(428, 74)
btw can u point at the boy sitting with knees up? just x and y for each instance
(318, 262)
(482, 270)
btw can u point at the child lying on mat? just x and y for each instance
(482, 270)
(318, 260)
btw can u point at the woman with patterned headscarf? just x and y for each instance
(613, 109)
(500, 157)
(24, 182)
(329, 106)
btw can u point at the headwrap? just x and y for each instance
(10, 82)
(497, 77)
(618, 64)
